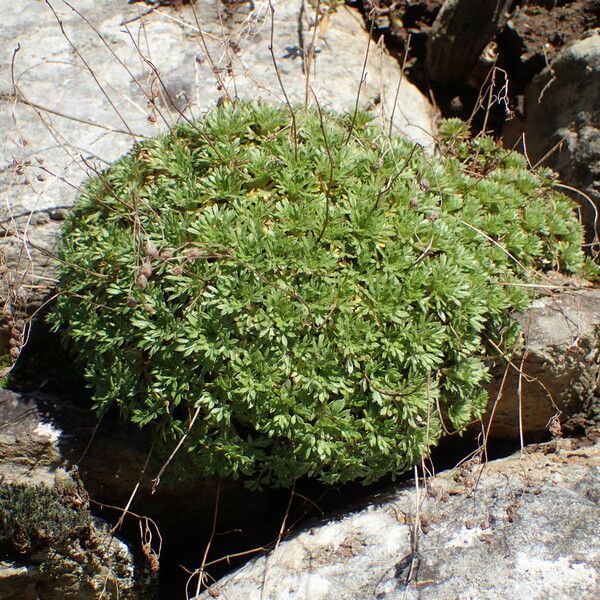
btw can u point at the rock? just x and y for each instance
(45, 435)
(561, 123)
(99, 567)
(460, 32)
(558, 371)
(68, 118)
(75, 565)
(500, 530)
(78, 568)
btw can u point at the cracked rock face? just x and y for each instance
(84, 97)
(522, 527)
(100, 568)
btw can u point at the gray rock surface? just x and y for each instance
(557, 374)
(83, 96)
(522, 528)
(562, 121)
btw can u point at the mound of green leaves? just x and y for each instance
(306, 297)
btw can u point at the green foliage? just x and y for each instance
(5, 363)
(321, 302)
(32, 516)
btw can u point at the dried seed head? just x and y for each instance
(554, 427)
(13, 342)
(434, 216)
(424, 185)
(131, 302)
(234, 46)
(14, 352)
(414, 203)
(200, 58)
(41, 177)
(166, 254)
(149, 309)
(19, 325)
(192, 254)
(151, 250)
(142, 281)
(146, 269)
(177, 270)
(15, 332)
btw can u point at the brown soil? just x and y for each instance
(535, 31)
(538, 29)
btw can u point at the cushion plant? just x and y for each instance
(305, 295)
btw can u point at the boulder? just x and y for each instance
(562, 123)
(81, 82)
(100, 567)
(523, 527)
(84, 565)
(556, 374)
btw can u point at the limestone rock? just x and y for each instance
(84, 97)
(89, 568)
(85, 566)
(99, 568)
(522, 527)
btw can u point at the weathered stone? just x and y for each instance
(99, 566)
(461, 31)
(522, 527)
(558, 373)
(96, 566)
(562, 122)
(99, 569)
(68, 118)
